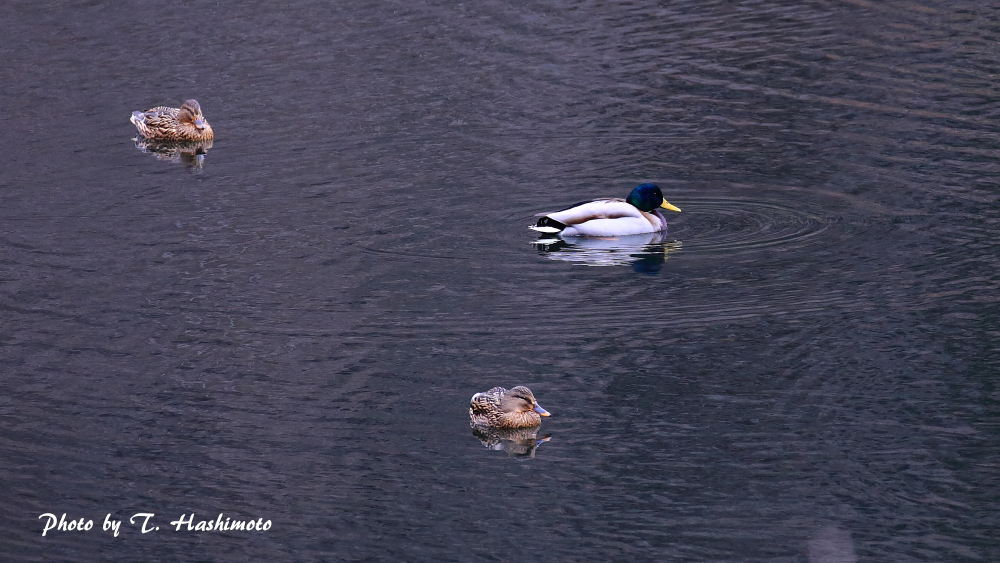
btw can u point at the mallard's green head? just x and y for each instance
(520, 399)
(190, 112)
(647, 197)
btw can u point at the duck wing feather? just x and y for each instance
(597, 209)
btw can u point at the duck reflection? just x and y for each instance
(646, 253)
(189, 153)
(517, 442)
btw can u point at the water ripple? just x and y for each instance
(733, 225)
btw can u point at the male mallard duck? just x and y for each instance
(500, 408)
(634, 215)
(185, 123)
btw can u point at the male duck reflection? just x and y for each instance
(637, 214)
(500, 408)
(162, 123)
(645, 253)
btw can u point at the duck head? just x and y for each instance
(520, 399)
(190, 112)
(647, 197)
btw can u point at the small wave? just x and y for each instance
(731, 225)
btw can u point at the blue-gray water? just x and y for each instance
(802, 370)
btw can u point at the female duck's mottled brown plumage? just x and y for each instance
(185, 123)
(500, 408)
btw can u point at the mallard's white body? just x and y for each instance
(605, 218)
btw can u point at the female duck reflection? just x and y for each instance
(507, 420)
(611, 231)
(189, 153)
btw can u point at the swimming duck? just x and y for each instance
(500, 408)
(637, 214)
(185, 123)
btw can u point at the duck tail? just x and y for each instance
(548, 225)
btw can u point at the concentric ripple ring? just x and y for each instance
(733, 225)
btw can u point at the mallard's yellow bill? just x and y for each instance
(666, 205)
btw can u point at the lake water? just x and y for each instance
(290, 325)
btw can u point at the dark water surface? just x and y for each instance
(802, 369)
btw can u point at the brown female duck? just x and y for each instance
(185, 123)
(500, 408)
